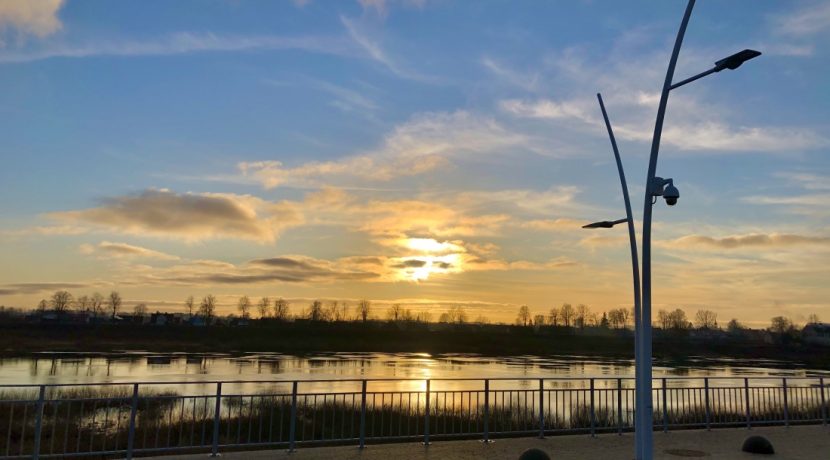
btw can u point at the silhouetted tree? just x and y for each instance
(281, 309)
(734, 327)
(82, 303)
(364, 308)
(423, 317)
(567, 314)
(96, 304)
(457, 315)
(781, 325)
(538, 320)
(340, 311)
(114, 302)
(315, 311)
(553, 316)
(523, 318)
(244, 306)
(140, 310)
(813, 319)
(677, 320)
(263, 306)
(604, 321)
(61, 300)
(207, 308)
(706, 319)
(582, 315)
(189, 305)
(42, 306)
(395, 312)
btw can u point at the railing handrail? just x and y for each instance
(401, 379)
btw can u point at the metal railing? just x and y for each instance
(75, 420)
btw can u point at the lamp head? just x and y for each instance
(735, 61)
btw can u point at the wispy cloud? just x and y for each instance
(189, 217)
(35, 17)
(808, 20)
(424, 143)
(753, 240)
(179, 43)
(108, 249)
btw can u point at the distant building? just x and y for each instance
(817, 333)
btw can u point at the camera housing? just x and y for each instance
(671, 194)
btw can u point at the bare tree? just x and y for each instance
(364, 308)
(734, 327)
(706, 319)
(82, 303)
(114, 302)
(615, 318)
(42, 306)
(582, 315)
(523, 318)
(207, 308)
(677, 320)
(281, 309)
(263, 306)
(96, 304)
(481, 319)
(423, 317)
(456, 314)
(140, 310)
(781, 325)
(626, 316)
(395, 312)
(61, 300)
(341, 311)
(244, 306)
(813, 319)
(189, 305)
(664, 319)
(538, 320)
(315, 311)
(553, 316)
(567, 314)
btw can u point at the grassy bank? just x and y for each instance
(308, 337)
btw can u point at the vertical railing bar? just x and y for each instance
(426, 414)
(541, 409)
(216, 416)
(786, 407)
(593, 412)
(747, 404)
(66, 429)
(823, 402)
(292, 421)
(486, 411)
(11, 422)
(362, 415)
(131, 429)
(55, 427)
(38, 422)
(619, 407)
(706, 397)
(665, 407)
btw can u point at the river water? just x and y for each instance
(415, 368)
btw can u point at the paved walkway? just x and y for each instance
(794, 443)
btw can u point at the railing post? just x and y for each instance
(541, 409)
(131, 432)
(823, 402)
(619, 407)
(706, 397)
(665, 408)
(217, 414)
(38, 422)
(746, 404)
(363, 415)
(593, 412)
(426, 416)
(292, 425)
(786, 404)
(486, 411)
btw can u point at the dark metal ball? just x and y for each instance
(534, 454)
(757, 445)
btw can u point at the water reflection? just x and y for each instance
(138, 366)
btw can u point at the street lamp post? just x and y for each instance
(654, 188)
(632, 238)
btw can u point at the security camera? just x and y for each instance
(671, 194)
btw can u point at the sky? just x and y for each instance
(423, 152)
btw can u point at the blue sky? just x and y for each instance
(424, 152)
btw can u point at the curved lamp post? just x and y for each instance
(656, 187)
(632, 238)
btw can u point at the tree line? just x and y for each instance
(278, 308)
